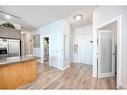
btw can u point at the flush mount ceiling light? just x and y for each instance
(78, 17)
(8, 17)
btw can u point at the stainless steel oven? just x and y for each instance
(3, 52)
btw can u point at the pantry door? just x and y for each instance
(85, 49)
(106, 54)
(54, 50)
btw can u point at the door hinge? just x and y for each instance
(97, 67)
(97, 40)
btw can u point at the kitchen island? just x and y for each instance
(17, 71)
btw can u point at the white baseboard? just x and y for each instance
(65, 67)
(105, 75)
(74, 62)
(94, 75)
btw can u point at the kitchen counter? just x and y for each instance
(17, 71)
(12, 60)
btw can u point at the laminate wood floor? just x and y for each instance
(78, 76)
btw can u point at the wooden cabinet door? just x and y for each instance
(5, 32)
(10, 33)
(15, 34)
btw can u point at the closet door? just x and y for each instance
(54, 50)
(85, 49)
(106, 57)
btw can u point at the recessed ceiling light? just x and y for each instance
(78, 17)
(8, 17)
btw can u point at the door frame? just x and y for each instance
(44, 48)
(119, 30)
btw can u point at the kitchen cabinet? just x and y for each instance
(15, 34)
(5, 32)
(18, 72)
(10, 33)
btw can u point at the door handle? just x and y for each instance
(114, 53)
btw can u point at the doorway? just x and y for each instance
(107, 51)
(46, 50)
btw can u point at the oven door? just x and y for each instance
(3, 52)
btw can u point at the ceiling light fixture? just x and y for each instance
(8, 17)
(11, 15)
(78, 17)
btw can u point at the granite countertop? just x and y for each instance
(11, 60)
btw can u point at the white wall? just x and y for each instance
(81, 31)
(56, 27)
(102, 15)
(60, 27)
(67, 42)
(71, 43)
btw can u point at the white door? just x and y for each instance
(84, 49)
(106, 55)
(54, 50)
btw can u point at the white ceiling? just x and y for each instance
(35, 16)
